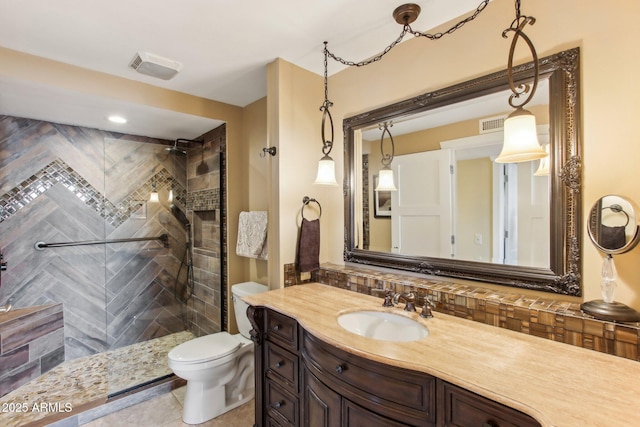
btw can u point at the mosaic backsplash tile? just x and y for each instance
(58, 172)
(556, 320)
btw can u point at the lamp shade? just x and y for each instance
(385, 180)
(520, 138)
(543, 167)
(153, 196)
(326, 172)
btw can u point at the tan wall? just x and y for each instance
(293, 97)
(608, 95)
(257, 173)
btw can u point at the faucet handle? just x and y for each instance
(388, 296)
(426, 308)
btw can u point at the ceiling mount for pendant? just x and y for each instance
(406, 14)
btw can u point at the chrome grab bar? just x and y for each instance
(41, 245)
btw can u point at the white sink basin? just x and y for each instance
(382, 326)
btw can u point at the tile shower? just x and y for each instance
(61, 183)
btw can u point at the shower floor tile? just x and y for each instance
(80, 384)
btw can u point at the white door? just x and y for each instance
(533, 217)
(421, 209)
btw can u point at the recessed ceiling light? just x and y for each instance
(117, 119)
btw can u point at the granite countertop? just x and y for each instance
(559, 385)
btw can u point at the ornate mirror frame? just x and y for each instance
(564, 274)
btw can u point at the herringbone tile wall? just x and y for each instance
(62, 183)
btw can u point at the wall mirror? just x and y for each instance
(457, 213)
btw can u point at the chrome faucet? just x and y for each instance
(409, 298)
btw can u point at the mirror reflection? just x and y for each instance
(456, 212)
(612, 225)
(449, 186)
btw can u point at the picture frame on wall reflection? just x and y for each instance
(381, 201)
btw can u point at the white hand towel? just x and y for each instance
(252, 235)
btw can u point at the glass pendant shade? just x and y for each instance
(170, 198)
(543, 167)
(326, 172)
(153, 197)
(520, 138)
(385, 180)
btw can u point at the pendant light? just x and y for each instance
(326, 166)
(153, 196)
(385, 176)
(520, 133)
(403, 15)
(543, 167)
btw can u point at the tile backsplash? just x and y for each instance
(547, 318)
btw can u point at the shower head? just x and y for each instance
(175, 150)
(178, 151)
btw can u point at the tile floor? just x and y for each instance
(166, 411)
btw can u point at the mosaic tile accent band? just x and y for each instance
(204, 200)
(561, 321)
(58, 172)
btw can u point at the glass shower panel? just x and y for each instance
(147, 281)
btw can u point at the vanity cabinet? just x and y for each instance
(303, 381)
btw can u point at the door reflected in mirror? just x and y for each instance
(479, 210)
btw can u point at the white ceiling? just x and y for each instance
(224, 47)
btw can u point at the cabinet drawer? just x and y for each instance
(399, 394)
(282, 330)
(462, 408)
(281, 405)
(282, 366)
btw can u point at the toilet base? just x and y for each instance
(194, 412)
(203, 401)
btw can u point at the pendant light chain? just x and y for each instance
(407, 29)
(386, 158)
(517, 26)
(327, 145)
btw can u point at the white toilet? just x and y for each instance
(218, 367)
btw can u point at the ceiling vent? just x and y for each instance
(155, 66)
(492, 124)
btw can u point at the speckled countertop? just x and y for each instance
(557, 384)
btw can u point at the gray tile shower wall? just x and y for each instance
(62, 183)
(31, 343)
(205, 211)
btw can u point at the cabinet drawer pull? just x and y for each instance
(340, 368)
(280, 404)
(490, 424)
(276, 328)
(279, 364)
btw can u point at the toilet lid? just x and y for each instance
(208, 347)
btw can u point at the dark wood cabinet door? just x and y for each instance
(321, 406)
(462, 408)
(357, 416)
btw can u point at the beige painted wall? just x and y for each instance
(293, 97)
(608, 94)
(257, 173)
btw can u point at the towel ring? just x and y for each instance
(306, 200)
(618, 209)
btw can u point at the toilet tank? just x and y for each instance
(240, 307)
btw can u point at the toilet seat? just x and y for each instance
(205, 348)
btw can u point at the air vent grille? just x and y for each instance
(492, 124)
(155, 65)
